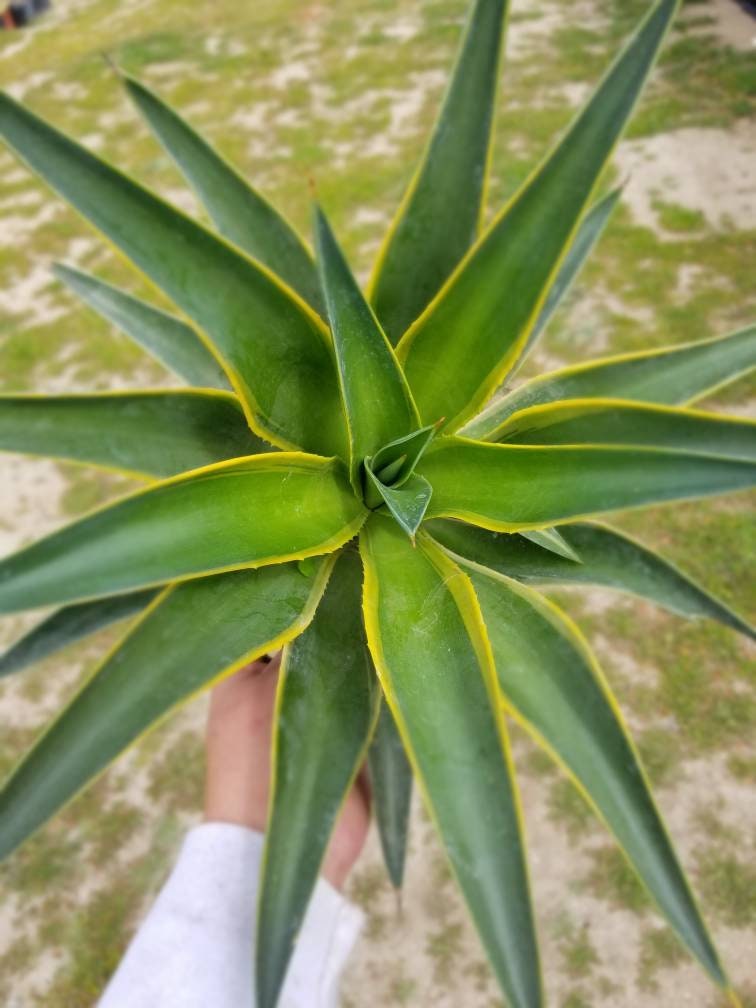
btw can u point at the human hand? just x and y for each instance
(238, 744)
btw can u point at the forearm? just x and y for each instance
(195, 948)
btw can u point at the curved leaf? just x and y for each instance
(617, 421)
(514, 487)
(377, 403)
(391, 787)
(438, 218)
(551, 682)
(407, 503)
(274, 348)
(68, 625)
(433, 659)
(171, 341)
(673, 375)
(607, 558)
(588, 233)
(142, 433)
(550, 539)
(239, 212)
(214, 626)
(325, 711)
(469, 337)
(396, 461)
(245, 513)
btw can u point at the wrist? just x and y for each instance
(239, 809)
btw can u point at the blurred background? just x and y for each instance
(345, 91)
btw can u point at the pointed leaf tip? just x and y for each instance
(376, 399)
(407, 503)
(458, 351)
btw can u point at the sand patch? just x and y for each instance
(706, 170)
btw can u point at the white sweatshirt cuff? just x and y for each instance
(195, 948)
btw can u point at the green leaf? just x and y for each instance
(169, 340)
(377, 403)
(550, 680)
(407, 503)
(407, 451)
(674, 375)
(391, 786)
(618, 421)
(141, 433)
(214, 626)
(326, 708)
(245, 513)
(462, 346)
(550, 539)
(239, 212)
(607, 558)
(510, 488)
(590, 230)
(274, 348)
(439, 216)
(431, 653)
(68, 625)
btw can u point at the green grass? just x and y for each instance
(673, 217)
(729, 886)
(576, 999)
(577, 951)
(660, 950)
(611, 878)
(569, 810)
(444, 947)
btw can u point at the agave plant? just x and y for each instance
(347, 482)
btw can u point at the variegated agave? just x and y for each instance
(343, 483)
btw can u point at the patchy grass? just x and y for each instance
(729, 886)
(569, 809)
(674, 217)
(578, 953)
(444, 947)
(611, 878)
(660, 949)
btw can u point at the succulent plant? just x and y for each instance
(355, 478)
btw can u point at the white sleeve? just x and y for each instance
(195, 947)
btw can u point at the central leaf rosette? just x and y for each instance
(389, 479)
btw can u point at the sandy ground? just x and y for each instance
(426, 953)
